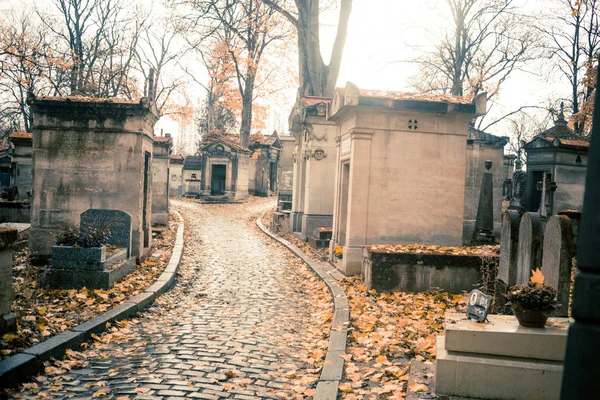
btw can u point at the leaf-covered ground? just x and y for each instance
(389, 330)
(42, 313)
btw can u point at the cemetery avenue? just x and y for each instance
(245, 320)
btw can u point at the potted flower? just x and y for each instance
(338, 251)
(80, 248)
(532, 302)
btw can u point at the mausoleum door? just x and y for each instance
(218, 179)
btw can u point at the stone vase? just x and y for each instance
(532, 318)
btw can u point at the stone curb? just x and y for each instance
(333, 368)
(31, 361)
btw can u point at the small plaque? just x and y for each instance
(346, 146)
(479, 306)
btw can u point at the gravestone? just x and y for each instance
(530, 246)
(558, 258)
(507, 268)
(118, 222)
(484, 224)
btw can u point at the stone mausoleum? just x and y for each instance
(314, 165)
(160, 179)
(561, 154)
(176, 174)
(90, 154)
(264, 165)
(400, 169)
(224, 171)
(21, 149)
(191, 173)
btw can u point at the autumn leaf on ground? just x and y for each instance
(100, 393)
(418, 387)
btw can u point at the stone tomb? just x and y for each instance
(94, 268)
(557, 259)
(530, 246)
(224, 172)
(160, 179)
(90, 153)
(8, 321)
(314, 165)
(264, 166)
(507, 267)
(500, 359)
(400, 169)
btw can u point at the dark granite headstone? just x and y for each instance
(558, 259)
(479, 306)
(530, 246)
(117, 221)
(484, 224)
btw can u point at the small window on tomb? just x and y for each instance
(193, 176)
(220, 148)
(413, 124)
(578, 160)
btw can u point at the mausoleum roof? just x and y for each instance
(163, 139)
(21, 135)
(232, 141)
(546, 142)
(430, 97)
(192, 163)
(560, 129)
(481, 136)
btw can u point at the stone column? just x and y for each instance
(484, 224)
(8, 321)
(581, 368)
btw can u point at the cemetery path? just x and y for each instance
(245, 320)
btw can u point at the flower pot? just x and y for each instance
(532, 318)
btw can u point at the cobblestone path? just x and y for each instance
(245, 320)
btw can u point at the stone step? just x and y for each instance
(503, 336)
(495, 377)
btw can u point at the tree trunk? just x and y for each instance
(247, 98)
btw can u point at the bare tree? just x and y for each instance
(487, 42)
(247, 28)
(573, 41)
(316, 77)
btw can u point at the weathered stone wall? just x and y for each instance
(477, 154)
(90, 154)
(22, 158)
(570, 182)
(252, 176)
(160, 189)
(241, 192)
(175, 179)
(285, 175)
(191, 184)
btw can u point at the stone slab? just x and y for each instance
(509, 240)
(17, 368)
(98, 324)
(500, 378)
(503, 336)
(143, 300)
(530, 246)
(56, 346)
(8, 323)
(58, 278)
(327, 390)
(334, 366)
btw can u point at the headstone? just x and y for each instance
(118, 222)
(530, 246)
(558, 258)
(484, 223)
(507, 264)
(520, 182)
(479, 306)
(509, 241)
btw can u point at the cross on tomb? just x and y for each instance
(547, 187)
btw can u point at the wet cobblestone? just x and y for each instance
(233, 327)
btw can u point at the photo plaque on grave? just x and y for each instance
(479, 306)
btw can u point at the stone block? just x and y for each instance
(16, 368)
(411, 272)
(484, 377)
(318, 243)
(143, 300)
(56, 346)
(117, 222)
(98, 324)
(8, 323)
(530, 246)
(502, 336)
(59, 278)
(323, 233)
(557, 259)
(327, 390)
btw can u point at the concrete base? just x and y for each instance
(160, 218)
(351, 262)
(23, 232)
(500, 359)
(79, 278)
(310, 222)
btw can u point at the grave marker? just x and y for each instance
(558, 258)
(479, 306)
(530, 246)
(117, 221)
